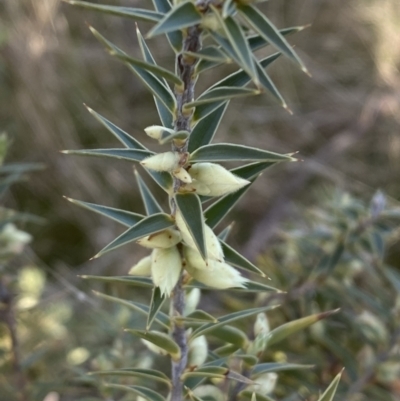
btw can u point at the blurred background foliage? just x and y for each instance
(345, 125)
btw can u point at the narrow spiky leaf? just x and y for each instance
(222, 152)
(330, 392)
(124, 217)
(129, 12)
(147, 226)
(217, 372)
(121, 135)
(228, 8)
(224, 234)
(248, 286)
(190, 208)
(135, 281)
(133, 155)
(232, 335)
(150, 203)
(210, 53)
(181, 16)
(144, 392)
(157, 301)
(277, 367)
(136, 372)
(263, 26)
(159, 339)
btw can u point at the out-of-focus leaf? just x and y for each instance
(329, 393)
(252, 170)
(249, 395)
(231, 335)
(135, 372)
(393, 276)
(124, 217)
(329, 262)
(133, 155)
(234, 258)
(227, 319)
(292, 327)
(157, 301)
(263, 26)
(208, 371)
(21, 168)
(249, 286)
(204, 131)
(129, 280)
(226, 351)
(158, 71)
(144, 392)
(190, 207)
(174, 38)
(150, 203)
(147, 226)
(160, 317)
(222, 152)
(182, 16)
(277, 367)
(228, 8)
(160, 339)
(135, 13)
(156, 87)
(121, 135)
(198, 316)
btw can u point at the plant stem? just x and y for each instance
(186, 71)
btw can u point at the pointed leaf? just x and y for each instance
(204, 131)
(227, 319)
(162, 340)
(222, 152)
(162, 178)
(160, 317)
(223, 93)
(181, 16)
(263, 26)
(224, 234)
(121, 135)
(252, 170)
(136, 281)
(277, 367)
(135, 13)
(208, 371)
(150, 203)
(133, 155)
(234, 258)
(210, 53)
(136, 372)
(249, 286)
(287, 329)
(147, 226)
(190, 207)
(232, 335)
(20, 168)
(330, 392)
(144, 392)
(228, 8)
(155, 86)
(174, 38)
(158, 71)
(124, 217)
(157, 301)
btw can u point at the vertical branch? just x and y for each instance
(186, 71)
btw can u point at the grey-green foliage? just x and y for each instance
(186, 255)
(338, 255)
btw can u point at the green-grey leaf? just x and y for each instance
(207, 371)
(182, 16)
(252, 170)
(157, 88)
(162, 340)
(162, 178)
(253, 396)
(160, 317)
(135, 13)
(158, 71)
(121, 135)
(124, 217)
(263, 26)
(190, 207)
(228, 8)
(277, 367)
(133, 155)
(210, 53)
(204, 131)
(175, 38)
(223, 152)
(144, 392)
(136, 372)
(223, 93)
(147, 226)
(157, 301)
(21, 168)
(136, 281)
(249, 286)
(227, 319)
(330, 392)
(150, 203)
(234, 258)
(224, 234)
(232, 335)
(285, 330)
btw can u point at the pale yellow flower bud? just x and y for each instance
(166, 265)
(265, 384)
(186, 236)
(214, 180)
(167, 161)
(192, 300)
(221, 276)
(163, 239)
(183, 175)
(142, 268)
(261, 325)
(156, 131)
(194, 258)
(198, 351)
